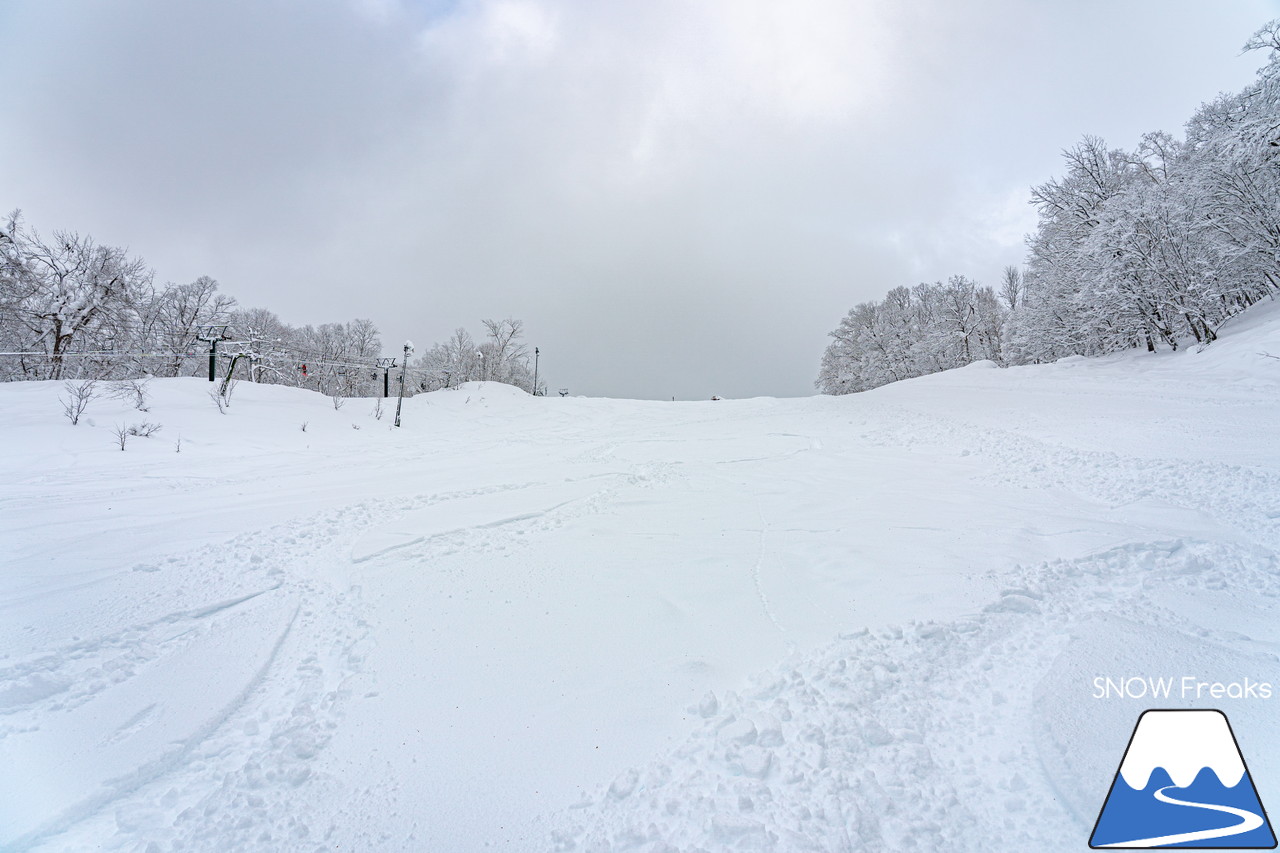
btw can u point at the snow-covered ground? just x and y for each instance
(860, 623)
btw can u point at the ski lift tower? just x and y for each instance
(385, 364)
(210, 335)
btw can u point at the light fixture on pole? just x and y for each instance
(536, 353)
(404, 368)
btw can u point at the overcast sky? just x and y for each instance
(678, 198)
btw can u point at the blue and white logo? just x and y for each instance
(1183, 783)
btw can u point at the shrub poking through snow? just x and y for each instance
(78, 395)
(132, 391)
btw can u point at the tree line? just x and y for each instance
(501, 356)
(74, 308)
(71, 308)
(1149, 248)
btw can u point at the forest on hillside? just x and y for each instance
(1146, 248)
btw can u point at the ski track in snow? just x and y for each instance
(974, 732)
(863, 746)
(201, 792)
(759, 586)
(213, 798)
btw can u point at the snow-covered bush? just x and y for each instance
(146, 429)
(76, 399)
(132, 391)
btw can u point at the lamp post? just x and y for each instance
(404, 368)
(536, 353)
(211, 335)
(386, 364)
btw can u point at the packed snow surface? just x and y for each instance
(861, 623)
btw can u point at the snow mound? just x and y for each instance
(495, 390)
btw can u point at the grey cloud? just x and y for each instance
(678, 199)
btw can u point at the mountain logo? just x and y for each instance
(1183, 783)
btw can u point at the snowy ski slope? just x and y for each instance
(860, 623)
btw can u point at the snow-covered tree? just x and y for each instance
(84, 309)
(1162, 245)
(912, 332)
(506, 356)
(449, 364)
(170, 320)
(502, 356)
(1011, 287)
(67, 292)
